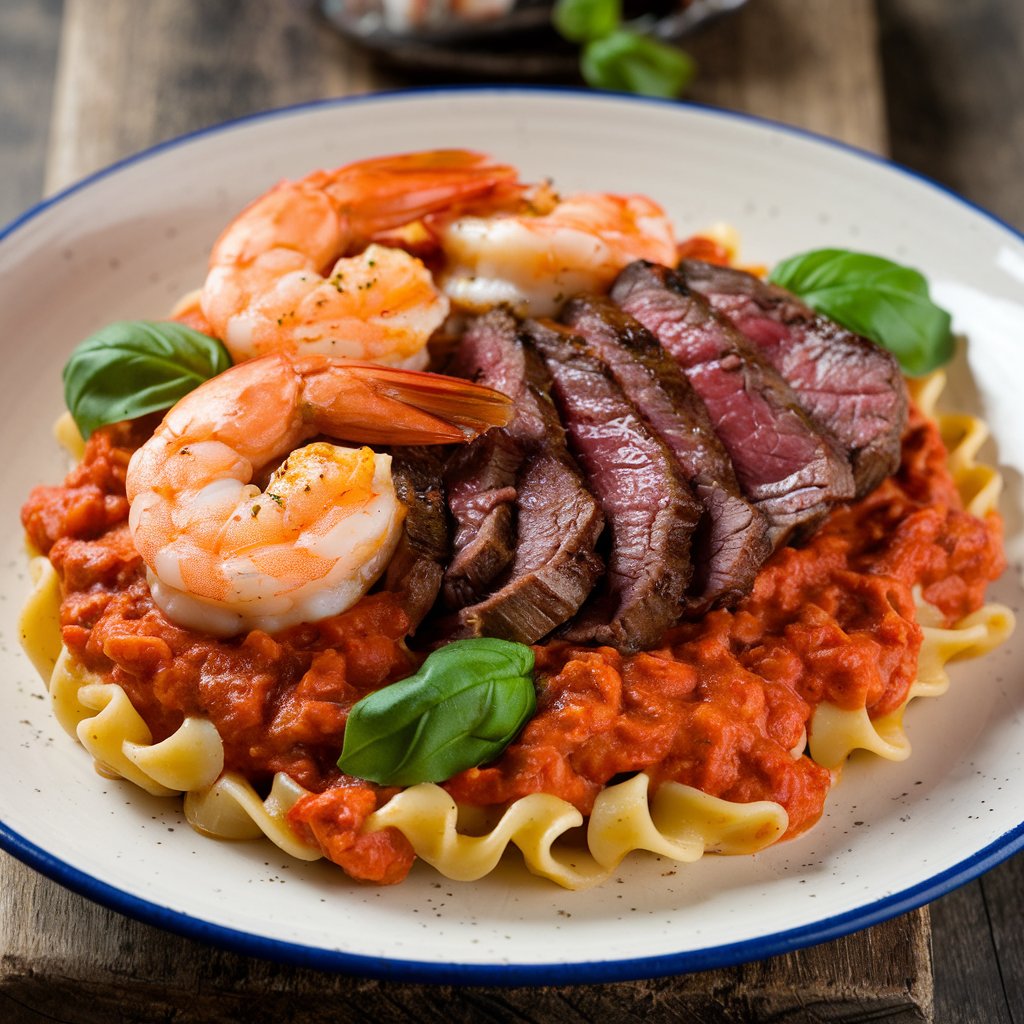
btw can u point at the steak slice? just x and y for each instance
(788, 468)
(848, 384)
(416, 568)
(555, 565)
(731, 541)
(480, 477)
(480, 481)
(649, 510)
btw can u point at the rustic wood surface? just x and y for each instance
(945, 81)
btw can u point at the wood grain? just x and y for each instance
(811, 65)
(956, 76)
(28, 59)
(970, 988)
(134, 74)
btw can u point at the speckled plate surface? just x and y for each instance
(129, 241)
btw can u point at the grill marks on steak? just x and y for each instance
(650, 514)
(731, 541)
(847, 384)
(785, 466)
(558, 524)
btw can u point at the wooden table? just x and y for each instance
(941, 91)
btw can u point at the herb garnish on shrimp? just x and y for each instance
(282, 276)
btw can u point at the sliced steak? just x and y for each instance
(480, 481)
(416, 568)
(650, 512)
(480, 477)
(731, 542)
(555, 565)
(788, 468)
(848, 384)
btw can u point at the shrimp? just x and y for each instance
(224, 556)
(267, 289)
(533, 261)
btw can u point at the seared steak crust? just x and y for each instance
(786, 467)
(848, 385)
(480, 477)
(731, 541)
(558, 524)
(417, 565)
(650, 513)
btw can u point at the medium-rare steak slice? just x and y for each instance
(848, 384)
(731, 541)
(417, 565)
(790, 470)
(650, 512)
(555, 566)
(480, 477)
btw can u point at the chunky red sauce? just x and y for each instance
(719, 705)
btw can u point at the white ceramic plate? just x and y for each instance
(127, 242)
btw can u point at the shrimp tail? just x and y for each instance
(385, 405)
(408, 186)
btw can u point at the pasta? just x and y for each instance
(836, 732)
(465, 843)
(680, 823)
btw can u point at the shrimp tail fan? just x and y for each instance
(386, 405)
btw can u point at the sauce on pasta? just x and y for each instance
(722, 705)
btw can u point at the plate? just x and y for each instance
(128, 241)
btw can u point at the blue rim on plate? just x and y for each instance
(721, 955)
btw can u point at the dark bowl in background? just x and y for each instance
(510, 39)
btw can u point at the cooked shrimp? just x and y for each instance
(268, 290)
(533, 261)
(224, 556)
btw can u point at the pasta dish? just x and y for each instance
(685, 542)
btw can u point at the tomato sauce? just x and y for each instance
(722, 704)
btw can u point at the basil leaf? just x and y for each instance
(134, 367)
(582, 20)
(628, 62)
(873, 296)
(463, 707)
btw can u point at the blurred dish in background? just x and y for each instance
(495, 38)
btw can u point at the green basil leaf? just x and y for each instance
(628, 62)
(873, 296)
(462, 708)
(134, 367)
(582, 20)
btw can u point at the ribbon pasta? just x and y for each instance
(464, 843)
(678, 822)
(836, 732)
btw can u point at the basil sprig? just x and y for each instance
(617, 55)
(462, 708)
(134, 367)
(873, 296)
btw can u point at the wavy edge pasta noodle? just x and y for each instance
(835, 733)
(677, 822)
